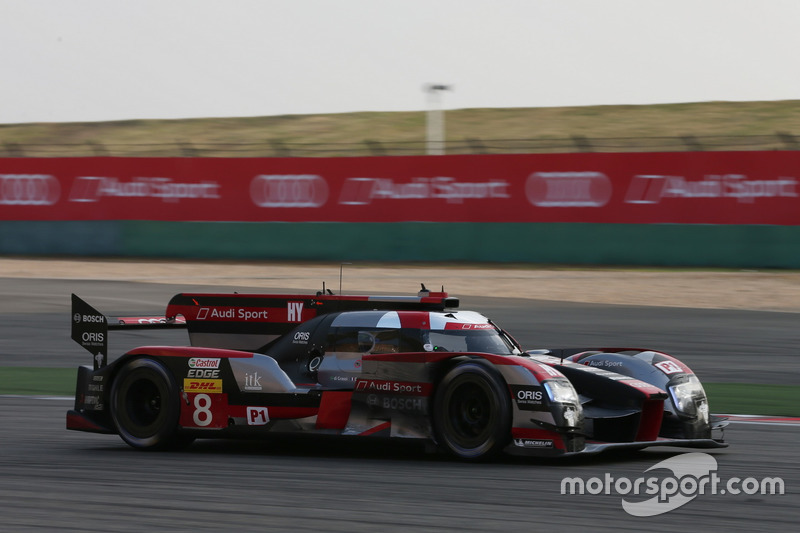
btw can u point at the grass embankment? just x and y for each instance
(738, 398)
(158, 137)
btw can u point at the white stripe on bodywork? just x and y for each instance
(389, 320)
(440, 320)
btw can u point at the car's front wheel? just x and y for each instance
(472, 411)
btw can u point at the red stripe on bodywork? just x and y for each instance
(540, 370)
(650, 421)
(334, 410)
(188, 351)
(415, 319)
(79, 422)
(240, 411)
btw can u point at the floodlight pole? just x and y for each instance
(435, 118)
(341, 270)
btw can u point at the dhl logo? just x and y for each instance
(202, 385)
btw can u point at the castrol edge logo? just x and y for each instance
(203, 362)
(568, 189)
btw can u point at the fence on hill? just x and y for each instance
(370, 147)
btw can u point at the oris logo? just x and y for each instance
(29, 189)
(568, 189)
(93, 337)
(302, 190)
(530, 395)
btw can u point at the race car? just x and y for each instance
(373, 367)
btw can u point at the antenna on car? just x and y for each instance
(324, 290)
(341, 268)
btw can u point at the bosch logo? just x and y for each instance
(76, 318)
(97, 319)
(568, 189)
(302, 190)
(29, 189)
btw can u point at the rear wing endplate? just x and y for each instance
(90, 328)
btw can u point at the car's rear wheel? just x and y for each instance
(472, 412)
(145, 406)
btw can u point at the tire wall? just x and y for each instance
(723, 209)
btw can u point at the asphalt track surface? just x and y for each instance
(56, 480)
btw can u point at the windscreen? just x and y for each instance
(470, 340)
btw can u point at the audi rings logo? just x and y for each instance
(294, 190)
(568, 189)
(29, 189)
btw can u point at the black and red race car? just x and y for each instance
(377, 367)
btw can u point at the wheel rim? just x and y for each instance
(143, 403)
(470, 413)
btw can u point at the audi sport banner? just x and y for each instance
(681, 188)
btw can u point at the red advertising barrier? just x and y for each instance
(641, 188)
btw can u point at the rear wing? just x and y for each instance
(90, 327)
(249, 322)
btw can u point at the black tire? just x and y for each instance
(145, 406)
(472, 412)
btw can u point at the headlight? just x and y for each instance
(561, 392)
(689, 397)
(566, 404)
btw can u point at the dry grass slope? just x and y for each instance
(593, 122)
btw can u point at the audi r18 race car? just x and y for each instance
(377, 367)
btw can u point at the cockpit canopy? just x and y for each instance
(417, 331)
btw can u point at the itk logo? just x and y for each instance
(252, 381)
(692, 475)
